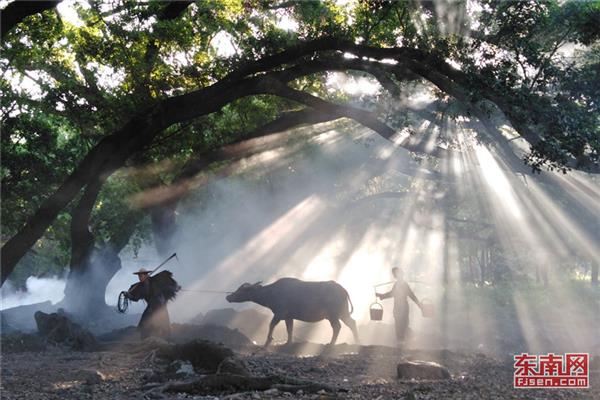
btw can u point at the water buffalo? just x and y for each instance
(291, 299)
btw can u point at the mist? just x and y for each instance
(320, 212)
(37, 290)
(347, 205)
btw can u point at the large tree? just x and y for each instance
(138, 83)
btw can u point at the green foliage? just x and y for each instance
(67, 85)
(38, 150)
(319, 18)
(518, 54)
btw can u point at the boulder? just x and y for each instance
(206, 357)
(421, 370)
(58, 328)
(99, 320)
(232, 365)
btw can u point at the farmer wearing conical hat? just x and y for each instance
(400, 292)
(156, 290)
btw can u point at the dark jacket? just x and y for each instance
(156, 291)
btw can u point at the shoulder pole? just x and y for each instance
(163, 263)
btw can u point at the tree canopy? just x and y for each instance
(91, 88)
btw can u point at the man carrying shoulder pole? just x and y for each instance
(400, 292)
(156, 290)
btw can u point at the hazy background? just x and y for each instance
(319, 211)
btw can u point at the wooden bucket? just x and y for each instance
(427, 308)
(376, 311)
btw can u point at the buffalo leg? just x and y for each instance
(350, 323)
(289, 324)
(272, 325)
(335, 324)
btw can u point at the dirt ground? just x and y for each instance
(355, 372)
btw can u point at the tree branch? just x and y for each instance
(82, 239)
(259, 140)
(112, 152)
(17, 11)
(363, 117)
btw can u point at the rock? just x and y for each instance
(232, 365)
(206, 357)
(58, 328)
(422, 370)
(102, 319)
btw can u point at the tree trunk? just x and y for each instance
(79, 288)
(112, 152)
(91, 268)
(86, 286)
(103, 160)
